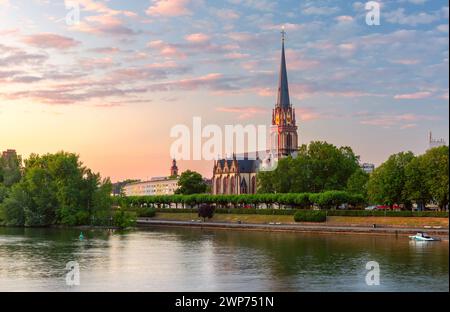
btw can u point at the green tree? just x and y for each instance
(57, 189)
(10, 169)
(436, 174)
(191, 182)
(14, 206)
(416, 188)
(387, 183)
(318, 167)
(357, 182)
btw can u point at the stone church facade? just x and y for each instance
(238, 176)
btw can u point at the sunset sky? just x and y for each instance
(112, 86)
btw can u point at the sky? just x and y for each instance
(111, 85)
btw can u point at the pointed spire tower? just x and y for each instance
(284, 137)
(283, 86)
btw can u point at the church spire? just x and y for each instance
(283, 88)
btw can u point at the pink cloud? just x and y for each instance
(101, 24)
(227, 14)
(408, 126)
(297, 61)
(244, 112)
(236, 56)
(307, 114)
(197, 38)
(169, 8)
(47, 40)
(90, 64)
(101, 7)
(214, 81)
(406, 61)
(166, 49)
(404, 121)
(413, 96)
(344, 19)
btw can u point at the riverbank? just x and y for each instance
(303, 227)
(367, 221)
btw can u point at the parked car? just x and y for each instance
(371, 208)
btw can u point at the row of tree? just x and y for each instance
(407, 179)
(404, 179)
(325, 200)
(55, 189)
(317, 167)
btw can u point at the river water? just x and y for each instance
(185, 259)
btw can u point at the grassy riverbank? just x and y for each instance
(288, 219)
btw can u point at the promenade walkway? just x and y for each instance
(319, 228)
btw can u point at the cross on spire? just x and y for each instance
(283, 34)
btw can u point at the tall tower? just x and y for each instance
(284, 137)
(174, 169)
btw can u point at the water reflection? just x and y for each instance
(176, 259)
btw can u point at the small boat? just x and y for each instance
(81, 237)
(421, 236)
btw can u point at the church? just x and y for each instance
(238, 176)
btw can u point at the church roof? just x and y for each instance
(243, 165)
(248, 165)
(283, 87)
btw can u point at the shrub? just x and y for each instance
(310, 216)
(146, 212)
(206, 211)
(124, 219)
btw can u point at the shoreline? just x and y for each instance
(300, 228)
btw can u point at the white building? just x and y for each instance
(156, 186)
(432, 142)
(368, 168)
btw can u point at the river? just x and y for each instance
(192, 259)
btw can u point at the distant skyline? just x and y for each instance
(112, 86)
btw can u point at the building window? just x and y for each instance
(218, 185)
(225, 185)
(289, 141)
(233, 185)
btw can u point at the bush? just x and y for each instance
(310, 216)
(146, 212)
(124, 219)
(206, 211)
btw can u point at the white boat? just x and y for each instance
(421, 236)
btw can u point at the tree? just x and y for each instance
(205, 211)
(318, 167)
(357, 182)
(416, 188)
(191, 182)
(436, 174)
(57, 189)
(386, 183)
(10, 169)
(15, 205)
